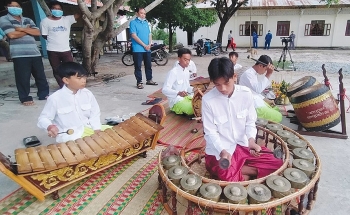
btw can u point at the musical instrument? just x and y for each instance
(43, 170)
(261, 62)
(286, 188)
(301, 84)
(316, 108)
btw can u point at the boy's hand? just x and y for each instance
(182, 93)
(52, 131)
(254, 148)
(225, 159)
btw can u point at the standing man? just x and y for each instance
(268, 39)
(292, 38)
(25, 53)
(256, 79)
(255, 40)
(141, 39)
(56, 30)
(229, 37)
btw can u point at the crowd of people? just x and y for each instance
(229, 110)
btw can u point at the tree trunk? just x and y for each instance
(221, 29)
(170, 38)
(86, 46)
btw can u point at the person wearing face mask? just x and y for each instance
(256, 79)
(141, 40)
(25, 54)
(56, 30)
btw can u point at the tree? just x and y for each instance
(225, 12)
(171, 14)
(95, 32)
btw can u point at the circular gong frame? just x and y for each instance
(224, 206)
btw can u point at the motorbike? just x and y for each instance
(158, 55)
(200, 49)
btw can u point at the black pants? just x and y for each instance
(24, 67)
(55, 59)
(228, 44)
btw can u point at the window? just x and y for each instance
(283, 28)
(244, 29)
(347, 30)
(317, 28)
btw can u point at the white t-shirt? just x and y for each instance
(57, 32)
(191, 68)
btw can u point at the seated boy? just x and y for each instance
(177, 85)
(71, 107)
(191, 68)
(229, 117)
(256, 79)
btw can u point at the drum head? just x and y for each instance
(309, 93)
(300, 84)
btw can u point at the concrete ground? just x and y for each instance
(119, 96)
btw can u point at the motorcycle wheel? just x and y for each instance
(127, 59)
(199, 52)
(216, 52)
(161, 58)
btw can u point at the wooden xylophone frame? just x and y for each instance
(42, 183)
(309, 191)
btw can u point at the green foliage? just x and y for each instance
(330, 2)
(160, 34)
(194, 18)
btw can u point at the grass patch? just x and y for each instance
(287, 64)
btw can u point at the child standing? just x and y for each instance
(71, 107)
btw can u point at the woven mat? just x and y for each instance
(126, 188)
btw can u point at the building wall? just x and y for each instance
(298, 19)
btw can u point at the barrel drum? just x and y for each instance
(301, 84)
(316, 108)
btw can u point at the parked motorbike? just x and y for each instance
(158, 55)
(76, 49)
(200, 49)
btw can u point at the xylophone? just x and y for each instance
(43, 170)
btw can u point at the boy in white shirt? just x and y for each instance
(56, 30)
(177, 85)
(71, 107)
(191, 68)
(229, 117)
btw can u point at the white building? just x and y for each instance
(313, 23)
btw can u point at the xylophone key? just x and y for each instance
(145, 124)
(86, 149)
(149, 122)
(46, 157)
(94, 146)
(130, 128)
(34, 159)
(111, 135)
(57, 156)
(22, 160)
(79, 155)
(67, 154)
(125, 135)
(109, 148)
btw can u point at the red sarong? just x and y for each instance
(265, 164)
(232, 44)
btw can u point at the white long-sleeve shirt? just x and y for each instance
(191, 68)
(177, 80)
(256, 83)
(70, 111)
(228, 121)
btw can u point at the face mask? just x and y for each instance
(141, 19)
(57, 13)
(14, 11)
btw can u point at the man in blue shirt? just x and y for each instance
(268, 39)
(141, 39)
(24, 52)
(255, 40)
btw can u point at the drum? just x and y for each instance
(316, 108)
(301, 84)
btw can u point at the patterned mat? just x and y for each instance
(127, 188)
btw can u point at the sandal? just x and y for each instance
(139, 86)
(152, 101)
(28, 103)
(150, 82)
